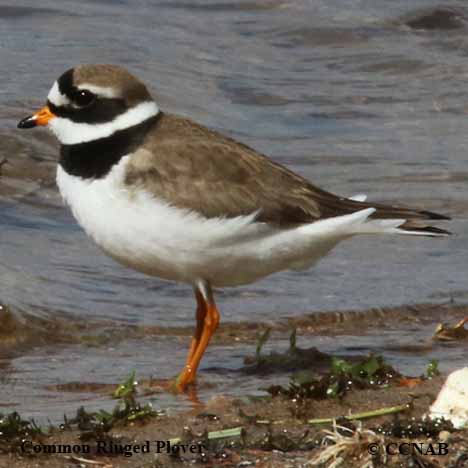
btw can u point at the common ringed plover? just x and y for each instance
(170, 198)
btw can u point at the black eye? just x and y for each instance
(83, 97)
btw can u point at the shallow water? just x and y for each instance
(343, 92)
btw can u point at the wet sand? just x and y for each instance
(274, 434)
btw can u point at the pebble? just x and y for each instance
(444, 436)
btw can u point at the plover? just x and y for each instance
(170, 198)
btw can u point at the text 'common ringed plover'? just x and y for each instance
(170, 198)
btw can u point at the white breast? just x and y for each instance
(156, 238)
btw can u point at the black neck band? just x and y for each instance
(94, 159)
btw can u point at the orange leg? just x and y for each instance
(198, 347)
(200, 316)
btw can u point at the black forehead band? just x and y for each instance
(65, 83)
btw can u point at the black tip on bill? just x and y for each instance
(28, 122)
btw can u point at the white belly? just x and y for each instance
(155, 238)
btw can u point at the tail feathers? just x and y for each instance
(423, 230)
(431, 215)
(370, 221)
(399, 220)
(415, 222)
(360, 197)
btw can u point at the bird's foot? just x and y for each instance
(172, 385)
(185, 379)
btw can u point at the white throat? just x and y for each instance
(72, 133)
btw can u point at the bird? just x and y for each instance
(171, 198)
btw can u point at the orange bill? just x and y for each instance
(41, 118)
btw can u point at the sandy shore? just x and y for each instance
(268, 432)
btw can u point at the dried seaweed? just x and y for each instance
(371, 372)
(14, 429)
(294, 358)
(456, 332)
(414, 427)
(92, 425)
(96, 424)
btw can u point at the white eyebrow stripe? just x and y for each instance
(103, 91)
(72, 133)
(56, 97)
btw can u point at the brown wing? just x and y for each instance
(193, 167)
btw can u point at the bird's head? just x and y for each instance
(90, 102)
